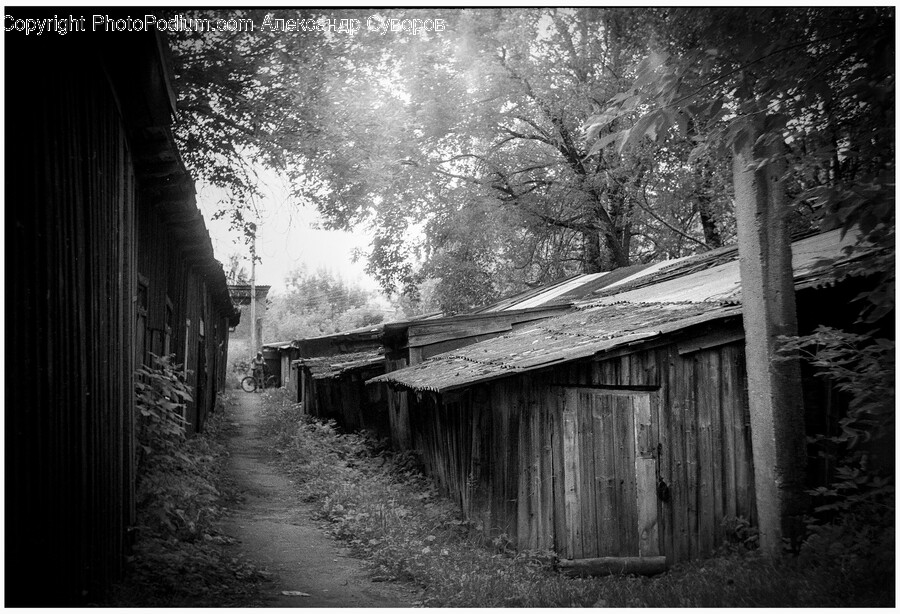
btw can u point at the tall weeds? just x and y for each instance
(390, 514)
(179, 557)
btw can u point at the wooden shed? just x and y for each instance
(409, 343)
(619, 430)
(331, 374)
(107, 260)
(183, 304)
(278, 356)
(334, 388)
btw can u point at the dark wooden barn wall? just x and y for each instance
(172, 280)
(398, 406)
(73, 192)
(348, 401)
(70, 197)
(497, 448)
(153, 267)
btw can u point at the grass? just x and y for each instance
(180, 558)
(390, 514)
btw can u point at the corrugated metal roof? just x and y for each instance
(278, 345)
(688, 279)
(331, 366)
(580, 334)
(688, 291)
(644, 273)
(363, 332)
(561, 292)
(537, 296)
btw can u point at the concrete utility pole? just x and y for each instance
(767, 284)
(253, 339)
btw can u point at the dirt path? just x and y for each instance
(274, 529)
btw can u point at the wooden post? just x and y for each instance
(767, 285)
(253, 339)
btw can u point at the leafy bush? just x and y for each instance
(175, 493)
(851, 528)
(240, 369)
(856, 551)
(180, 558)
(740, 535)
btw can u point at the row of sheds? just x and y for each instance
(109, 261)
(605, 416)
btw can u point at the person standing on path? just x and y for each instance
(258, 365)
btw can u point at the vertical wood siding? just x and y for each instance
(347, 400)
(398, 408)
(173, 280)
(70, 207)
(500, 450)
(74, 189)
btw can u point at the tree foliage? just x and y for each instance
(235, 272)
(435, 132)
(239, 111)
(418, 136)
(818, 91)
(519, 146)
(821, 79)
(318, 303)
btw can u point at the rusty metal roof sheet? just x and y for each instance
(561, 292)
(716, 277)
(362, 332)
(278, 345)
(680, 294)
(580, 334)
(325, 367)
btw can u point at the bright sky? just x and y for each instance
(287, 238)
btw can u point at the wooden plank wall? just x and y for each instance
(74, 193)
(349, 402)
(70, 223)
(375, 416)
(398, 408)
(154, 253)
(172, 279)
(497, 448)
(307, 391)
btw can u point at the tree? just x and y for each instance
(423, 133)
(235, 272)
(238, 108)
(318, 303)
(782, 90)
(418, 134)
(503, 117)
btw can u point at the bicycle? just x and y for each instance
(251, 383)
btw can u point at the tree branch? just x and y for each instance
(667, 224)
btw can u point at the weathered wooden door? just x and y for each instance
(610, 474)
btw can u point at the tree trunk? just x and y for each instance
(616, 255)
(776, 404)
(591, 254)
(602, 250)
(711, 233)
